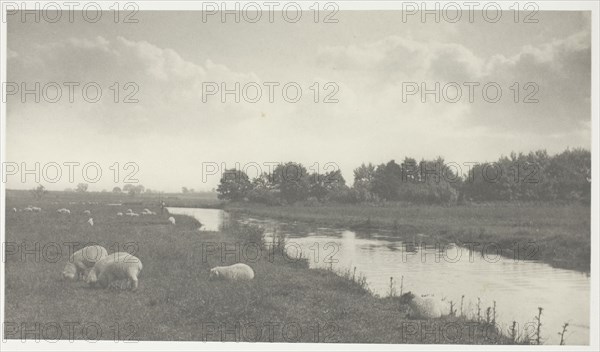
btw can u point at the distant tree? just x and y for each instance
(82, 187)
(387, 180)
(234, 185)
(328, 186)
(38, 192)
(263, 190)
(117, 190)
(363, 182)
(184, 190)
(292, 181)
(132, 190)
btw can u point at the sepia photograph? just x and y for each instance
(289, 175)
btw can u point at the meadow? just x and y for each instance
(286, 302)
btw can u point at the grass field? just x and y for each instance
(286, 302)
(557, 234)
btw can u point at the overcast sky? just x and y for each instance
(170, 132)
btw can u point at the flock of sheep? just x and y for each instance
(90, 221)
(97, 268)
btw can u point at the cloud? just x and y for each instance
(558, 70)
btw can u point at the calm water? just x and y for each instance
(518, 287)
(211, 219)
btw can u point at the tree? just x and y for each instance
(117, 190)
(82, 187)
(263, 190)
(133, 190)
(387, 180)
(38, 192)
(184, 190)
(292, 180)
(234, 185)
(363, 182)
(328, 186)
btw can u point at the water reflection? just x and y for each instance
(448, 272)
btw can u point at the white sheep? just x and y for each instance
(82, 261)
(239, 271)
(14, 210)
(36, 209)
(132, 214)
(129, 211)
(115, 267)
(91, 222)
(28, 209)
(171, 220)
(87, 212)
(426, 308)
(119, 214)
(63, 211)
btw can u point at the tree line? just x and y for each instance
(535, 176)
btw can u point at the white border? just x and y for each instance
(594, 6)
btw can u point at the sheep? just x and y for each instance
(63, 211)
(91, 222)
(132, 214)
(171, 220)
(87, 212)
(28, 209)
(82, 261)
(117, 266)
(119, 214)
(129, 211)
(36, 209)
(426, 308)
(14, 210)
(239, 271)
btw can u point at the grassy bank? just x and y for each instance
(557, 234)
(286, 302)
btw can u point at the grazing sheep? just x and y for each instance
(239, 271)
(171, 220)
(82, 261)
(63, 211)
(129, 211)
(36, 209)
(119, 214)
(28, 209)
(14, 210)
(91, 222)
(87, 212)
(117, 266)
(426, 308)
(132, 214)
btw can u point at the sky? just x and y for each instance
(178, 137)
